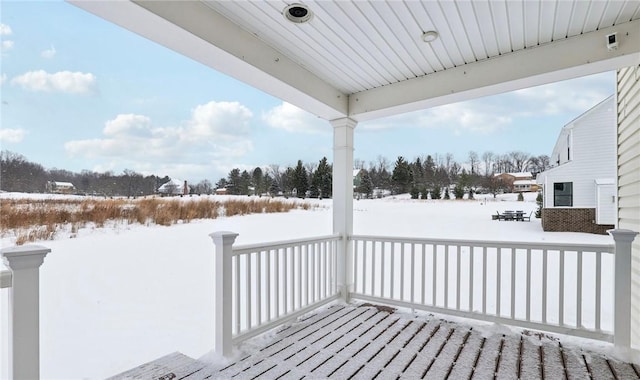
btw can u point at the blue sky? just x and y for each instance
(81, 93)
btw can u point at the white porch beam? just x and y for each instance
(563, 59)
(194, 30)
(342, 188)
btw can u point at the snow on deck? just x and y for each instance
(368, 341)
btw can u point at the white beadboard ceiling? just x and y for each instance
(366, 59)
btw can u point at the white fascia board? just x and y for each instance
(196, 31)
(573, 57)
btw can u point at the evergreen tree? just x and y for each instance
(233, 182)
(435, 193)
(458, 192)
(322, 180)
(539, 203)
(520, 197)
(401, 177)
(300, 180)
(414, 192)
(245, 182)
(257, 179)
(424, 193)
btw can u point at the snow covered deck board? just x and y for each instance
(368, 342)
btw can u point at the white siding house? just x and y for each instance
(584, 159)
(628, 155)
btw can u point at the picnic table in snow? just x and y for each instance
(518, 215)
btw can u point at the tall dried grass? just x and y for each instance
(32, 220)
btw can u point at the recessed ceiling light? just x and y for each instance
(297, 13)
(429, 36)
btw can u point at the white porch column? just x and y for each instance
(343, 198)
(24, 309)
(622, 287)
(224, 249)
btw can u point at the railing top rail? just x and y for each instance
(490, 244)
(283, 243)
(6, 279)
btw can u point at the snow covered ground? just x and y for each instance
(117, 297)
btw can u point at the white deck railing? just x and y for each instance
(564, 288)
(266, 285)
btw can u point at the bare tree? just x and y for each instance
(488, 158)
(473, 162)
(519, 160)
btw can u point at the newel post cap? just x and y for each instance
(24, 256)
(622, 235)
(224, 237)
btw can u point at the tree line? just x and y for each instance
(427, 174)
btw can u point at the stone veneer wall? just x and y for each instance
(572, 220)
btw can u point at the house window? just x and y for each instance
(563, 194)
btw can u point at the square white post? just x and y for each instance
(24, 309)
(622, 293)
(343, 198)
(223, 292)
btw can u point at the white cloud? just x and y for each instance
(3, 78)
(5, 30)
(6, 45)
(477, 116)
(62, 81)
(12, 135)
(216, 133)
(571, 96)
(293, 119)
(49, 53)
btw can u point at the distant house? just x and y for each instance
(518, 182)
(174, 187)
(56, 187)
(580, 190)
(221, 191)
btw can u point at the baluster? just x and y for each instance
(471, 278)
(267, 283)
(434, 271)
(458, 257)
(484, 282)
(513, 283)
(364, 267)
(528, 290)
(248, 287)
(561, 292)
(446, 276)
(258, 288)
(392, 276)
(382, 273)
(412, 267)
(498, 279)
(579, 291)
(423, 274)
(300, 276)
(598, 289)
(545, 253)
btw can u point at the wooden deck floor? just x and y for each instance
(369, 342)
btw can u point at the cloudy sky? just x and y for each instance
(81, 93)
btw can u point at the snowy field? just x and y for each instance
(117, 297)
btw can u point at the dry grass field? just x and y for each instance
(36, 219)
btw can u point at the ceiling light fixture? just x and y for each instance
(297, 13)
(429, 36)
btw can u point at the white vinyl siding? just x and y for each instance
(629, 179)
(590, 142)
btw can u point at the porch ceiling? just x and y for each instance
(366, 59)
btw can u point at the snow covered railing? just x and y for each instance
(21, 317)
(563, 288)
(261, 286)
